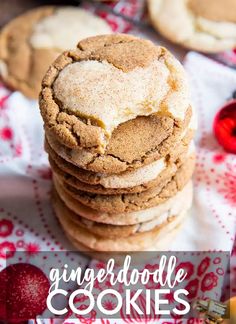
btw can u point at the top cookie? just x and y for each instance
(203, 25)
(32, 41)
(107, 81)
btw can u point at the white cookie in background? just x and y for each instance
(202, 25)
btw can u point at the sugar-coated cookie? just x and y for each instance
(128, 149)
(135, 181)
(97, 241)
(172, 206)
(32, 41)
(137, 201)
(115, 84)
(203, 25)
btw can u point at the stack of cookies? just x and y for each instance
(119, 128)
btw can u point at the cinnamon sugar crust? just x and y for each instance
(81, 112)
(99, 242)
(134, 181)
(172, 206)
(137, 201)
(129, 149)
(115, 231)
(107, 180)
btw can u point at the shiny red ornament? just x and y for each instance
(225, 127)
(23, 292)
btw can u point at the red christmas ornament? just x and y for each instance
(225, 127)
(23, 292)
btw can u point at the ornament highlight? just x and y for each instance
(225, 127)
(23, 292)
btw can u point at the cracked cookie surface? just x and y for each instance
(95, 241)
(118, 231)
(126, 179)
(172, 206)
(203, 25)
(137, 201)
(32, 41)
(127, 182)
(107, 82)
(129, 149)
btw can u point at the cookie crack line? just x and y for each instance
(162, 199)
(199, 30)
(117, 157)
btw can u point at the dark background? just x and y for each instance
(13, 8)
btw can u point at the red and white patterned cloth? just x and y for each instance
(134, 9)
(27, 222)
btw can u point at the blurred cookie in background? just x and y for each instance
(203, 25)
(30, 42)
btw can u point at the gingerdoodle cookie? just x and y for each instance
(129, 149)
(134, 202)
(32, 41)
(163, 244)
(203, 25)
(173, 206)
(97, 96)
(116, 231)
(156, 173)
(134, 181)
(97, 239)
(159, 169)
(128, 178)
